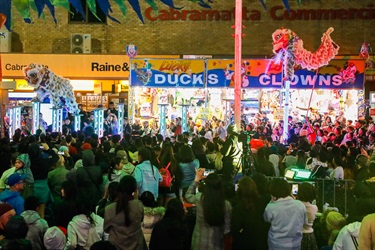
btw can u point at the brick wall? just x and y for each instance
(192, 37)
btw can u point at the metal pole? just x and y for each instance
(237, 63)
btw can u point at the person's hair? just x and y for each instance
(145, 154)
(16, 228)
(197, 147)
(148, 199)
(279, 188)
(338, 160)
(247, 193)
(210, 147)
(112, 191)
(261, 182)
(70, 190)
(102, 244)
(167, 156)
(85, 207)
(306, 192)
(213, 201)
(301, 159)
(186, 155)
(175, 210)
(115, 161)
(31, 203)
(126, 188)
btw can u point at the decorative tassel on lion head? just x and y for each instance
(46, 83)
(289, 47)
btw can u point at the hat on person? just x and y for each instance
(85, 146)
(54, 238)
(4, 208)
(25, 159)
(232, 129)
(15, 178)
(274, 149)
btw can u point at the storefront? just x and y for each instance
(207, 87)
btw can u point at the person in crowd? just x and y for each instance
(40, 166)
(110, 196)
(8, 172)
(12, 196)
(187, 165)
(247, 225)
(306, 194)
(68, 126)
(6, 212)
(213, 212)
(56, 177)
(111, 110)
(274, 158)
(37, 226)
(338, 171)
(286, 216)
(263, 165)
(170, 229)
(166, 160)
(123, 218)
(15, 233)
(199, 153)
(146, 174)
(366, 237)
(112, 124)
(221, 132)
(85, 228)
(363, 170)
(232, 152)
(54, 239)
(152, 214)
(65, 210)
(127, 127)
(22, 167)
(88, 178)
(127, 167)
(115, 172)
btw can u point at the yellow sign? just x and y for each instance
(75, 66)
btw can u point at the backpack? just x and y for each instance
(166, 175)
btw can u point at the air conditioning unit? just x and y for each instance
(5, 40)
(80, 43)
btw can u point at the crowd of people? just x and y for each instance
(213, 187)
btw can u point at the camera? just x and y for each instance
(294, 189)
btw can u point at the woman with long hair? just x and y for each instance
(199, 153)
(146, 174)
(167, 160)
(123, 218)
(247, 225)
(213, 212)
(187, 167)
(301, 159)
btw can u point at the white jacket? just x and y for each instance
(344, 240)
(81, 232)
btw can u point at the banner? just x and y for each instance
(265, 73)
(167, 73)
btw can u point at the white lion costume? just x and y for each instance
(45, 83)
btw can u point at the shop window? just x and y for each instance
(76, 17)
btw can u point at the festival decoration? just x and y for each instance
(24, 6)
(289, 47)
(131, 50)
(46, 83)
(365, 54)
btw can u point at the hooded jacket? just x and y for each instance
(82, 233)
(151, 217)
(37, 227)
(344, 240)
(26, 168)
(14, 199)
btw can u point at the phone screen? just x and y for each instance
(294, 189)
(208, 171)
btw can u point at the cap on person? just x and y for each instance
(123, 155)
(86, 146)
(25, 159)
(15, 178)
(63, 148)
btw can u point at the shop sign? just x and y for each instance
(75, 66)
(167, 73)
(265, 73)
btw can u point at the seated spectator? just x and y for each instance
(54, 239)
(37, 226)
(335, 222)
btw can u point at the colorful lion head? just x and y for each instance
(281, 38)
(34, 74)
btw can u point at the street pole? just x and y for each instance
(237, 63)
